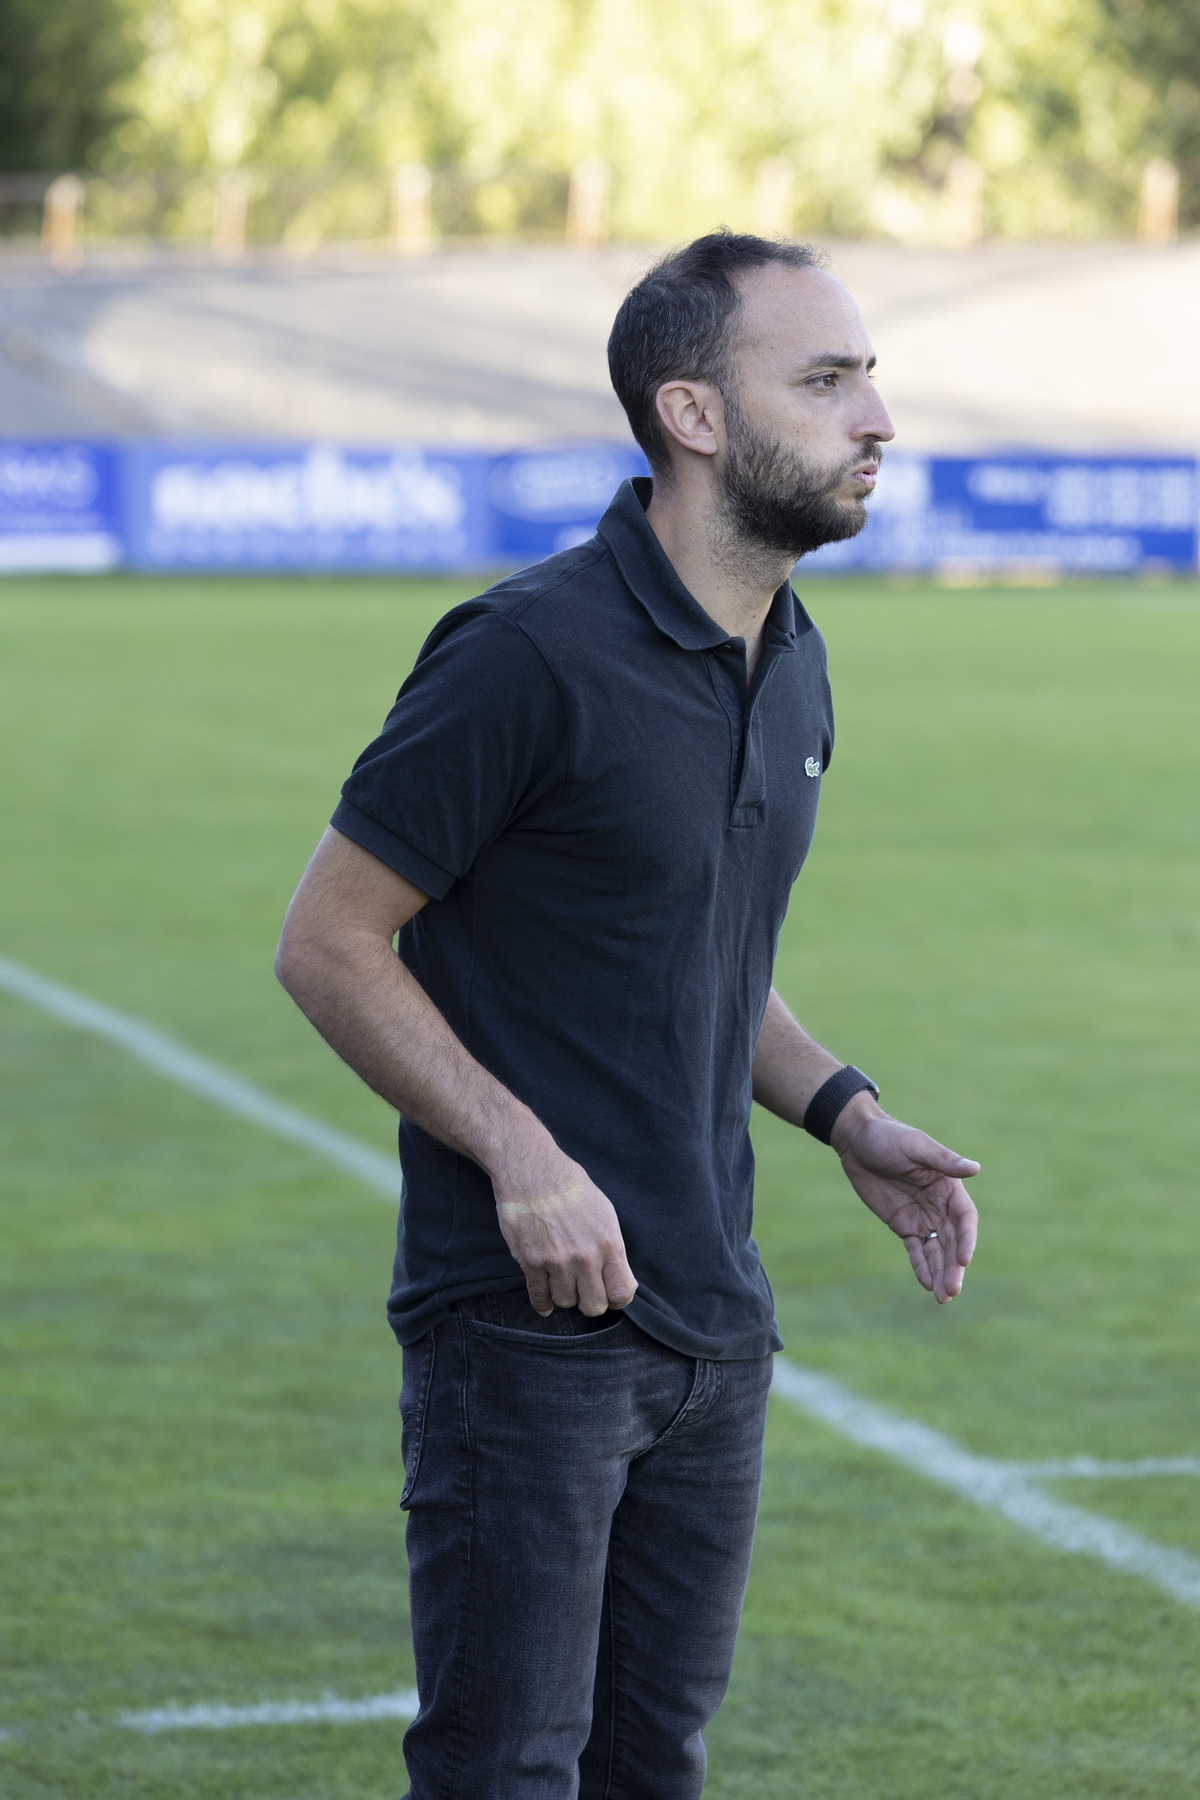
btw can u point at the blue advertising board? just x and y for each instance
(1071, 515)
(305, 506)
(323, 506)
(549, 498)
(294, 506)
(59, 506)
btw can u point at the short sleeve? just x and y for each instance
(477, 736)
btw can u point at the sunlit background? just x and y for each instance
(303, 311)
(929, 123)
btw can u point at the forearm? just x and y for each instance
(789, 1066)
(373, 1012)
(336, 960)
(907, 1179)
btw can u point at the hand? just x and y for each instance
(915, 1185)
(564, 1233)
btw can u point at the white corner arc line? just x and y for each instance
(169, 1058)
(329, 1710)
(1005, 1488)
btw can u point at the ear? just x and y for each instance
(692, 415)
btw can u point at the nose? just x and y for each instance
(877, 422)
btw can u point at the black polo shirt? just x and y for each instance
(609, 827)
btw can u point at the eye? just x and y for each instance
(825, 382)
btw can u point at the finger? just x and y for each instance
(948, 1249)
(922, 1262)
(563, 1289)
(949, 1286)
(538, 1289)
(949, 1282)
(593, 1295)
(936, 1263)
(966, 1225)
(947, 1271)
(619, 1284)
(952, 1270)
(932, 1155)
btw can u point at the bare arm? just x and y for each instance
(913, 1183)
(336, 960)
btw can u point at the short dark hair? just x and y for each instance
(675, 325)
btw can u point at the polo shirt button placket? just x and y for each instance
(750, 803)
(730, 660)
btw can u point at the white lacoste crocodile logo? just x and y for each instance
(812, 767)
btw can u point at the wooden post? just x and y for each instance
(964, 202)
(410, 227)
(773, 189)
(231, 204)
(1158, 202)
(61, 210)
(587, 204)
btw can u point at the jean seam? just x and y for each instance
(420, 1421)
(716, 1388)
(558, 1339)
(617, 1672)
(464, 1660)
(680, 1416)
(612, 1679)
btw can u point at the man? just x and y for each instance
(583, 817)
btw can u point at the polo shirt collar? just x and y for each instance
(629, 537)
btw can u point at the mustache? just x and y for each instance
(869, 457)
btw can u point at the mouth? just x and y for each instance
(863, 478)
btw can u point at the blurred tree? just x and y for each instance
(291, 83)
(1162, 41)
(60, 64)
(893, 112)
(1060, 121)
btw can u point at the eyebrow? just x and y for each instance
(839, 359)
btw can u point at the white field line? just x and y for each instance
(1087, 1468)
(1007, 1488)
(329, 1710)
(174, 1061)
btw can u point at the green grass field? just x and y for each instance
(1000, 920)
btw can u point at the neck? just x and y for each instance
(733, 579)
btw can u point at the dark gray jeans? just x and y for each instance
(581, 1511)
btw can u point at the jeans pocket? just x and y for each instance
(414, 1404)
(596, 1335)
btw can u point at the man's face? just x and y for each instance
(803, 423)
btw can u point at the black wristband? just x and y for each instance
(820, 1115)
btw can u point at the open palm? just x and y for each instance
(915, 1185)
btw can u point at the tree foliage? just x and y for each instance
(61, 63)
(1161, 40)
(875, 101)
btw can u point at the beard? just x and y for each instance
(775, 499)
